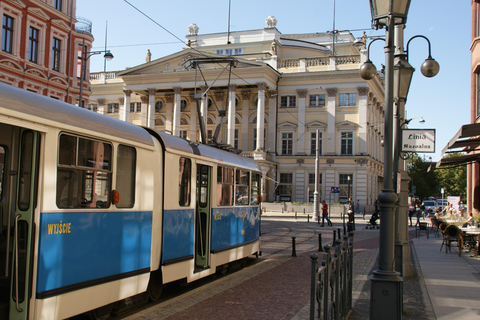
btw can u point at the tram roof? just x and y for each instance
(35, 107)
(173, 143)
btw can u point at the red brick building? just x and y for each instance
(41, 42)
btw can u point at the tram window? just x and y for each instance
(83, 174)
(184, 182)
(3, 160)
(242, 181)
(224, 186)
(255, 189)
(26, 168)
(125, 185)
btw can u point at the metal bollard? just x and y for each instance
(339, 234)
(295, 215)
(344, 230)
(320, 248)
(308, 218)
(294, 251)
(334, 236)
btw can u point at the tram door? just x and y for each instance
(202, 219)
(18, 173)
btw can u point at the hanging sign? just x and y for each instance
(418, 140)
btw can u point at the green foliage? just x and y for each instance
(428, 181)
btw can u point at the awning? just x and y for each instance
(467, 139)
(453, 161)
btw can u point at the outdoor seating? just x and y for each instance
(453, 234)
(422, 226)
(441, 230)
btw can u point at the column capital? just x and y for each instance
(332, 91)
(245, 95)
(127, 93)
(177, 90)
(302, 93)
(151, 91)
(232, 87)
(271, 93)
(363, 91)
(101, 101)
(262, 86)
(144, 99)
(219, 96)
(121, 100)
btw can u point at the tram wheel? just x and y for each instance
(155, 286)
(243, 262)
(222, 270)
(102, 313)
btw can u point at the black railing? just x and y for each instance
(331, 284)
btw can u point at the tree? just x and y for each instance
(424, 181)
(453, 179)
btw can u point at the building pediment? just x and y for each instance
(36, 73)
(316, 125)
(182, 61)
(287, 124)
(11, 64)
(19, 3)
(347, 124)
(39, 13)
(61, 24)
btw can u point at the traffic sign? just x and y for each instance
(335, 190)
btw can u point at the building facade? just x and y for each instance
(41, 47)
(267, 94)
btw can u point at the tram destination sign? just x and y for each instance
(418, 140)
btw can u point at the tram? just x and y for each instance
(94, 210)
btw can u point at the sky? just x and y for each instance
(443, 101)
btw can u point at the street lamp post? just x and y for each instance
(386, 284)
(83, 68)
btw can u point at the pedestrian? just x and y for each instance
(411, 210)
(325, 214)
(350, 210)
(418, 212)
(422, 209)
(357, 206)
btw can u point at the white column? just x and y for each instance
(204, 110)
(169, 114)
(143, 113)
(272, 120)
(245, 104)
(362, 120)
(302, 94)
(231, 115)
(193, 120)
(176, 111)
(261, 115)
(101, 106)
(331, 105)
(125, 112)
(151, 108)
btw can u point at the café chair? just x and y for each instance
(422, 226)
(453, 234)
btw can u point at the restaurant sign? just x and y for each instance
(418, 140)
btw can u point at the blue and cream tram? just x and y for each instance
(94, 210)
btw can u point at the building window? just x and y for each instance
(125, 180)
(287, 143)
(183, 104)
(313, 143)
(311, 186)
(112, 108)
(158, 106)
(220, 52)
(228, 52)
(346, 143)
(7, 34)
(347, 99)
(33, 45)
(242, 187)
(288, 102)
(286, 186)
(317, 100)
(345, 185)
(235, 140)
(135, 107)
(238, 51)
(58, 4)
(183, 134)
(92, 106)
(56, 46)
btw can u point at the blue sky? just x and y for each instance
(443, 101)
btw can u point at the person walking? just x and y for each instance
(325, 214)
(418, 212)
(411, 209)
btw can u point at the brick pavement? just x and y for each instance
(277, 286)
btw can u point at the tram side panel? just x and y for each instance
(91, 256)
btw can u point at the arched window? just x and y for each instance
(183, 104)
(158, 106)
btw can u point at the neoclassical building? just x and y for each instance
(41, 47)
(266, 94)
